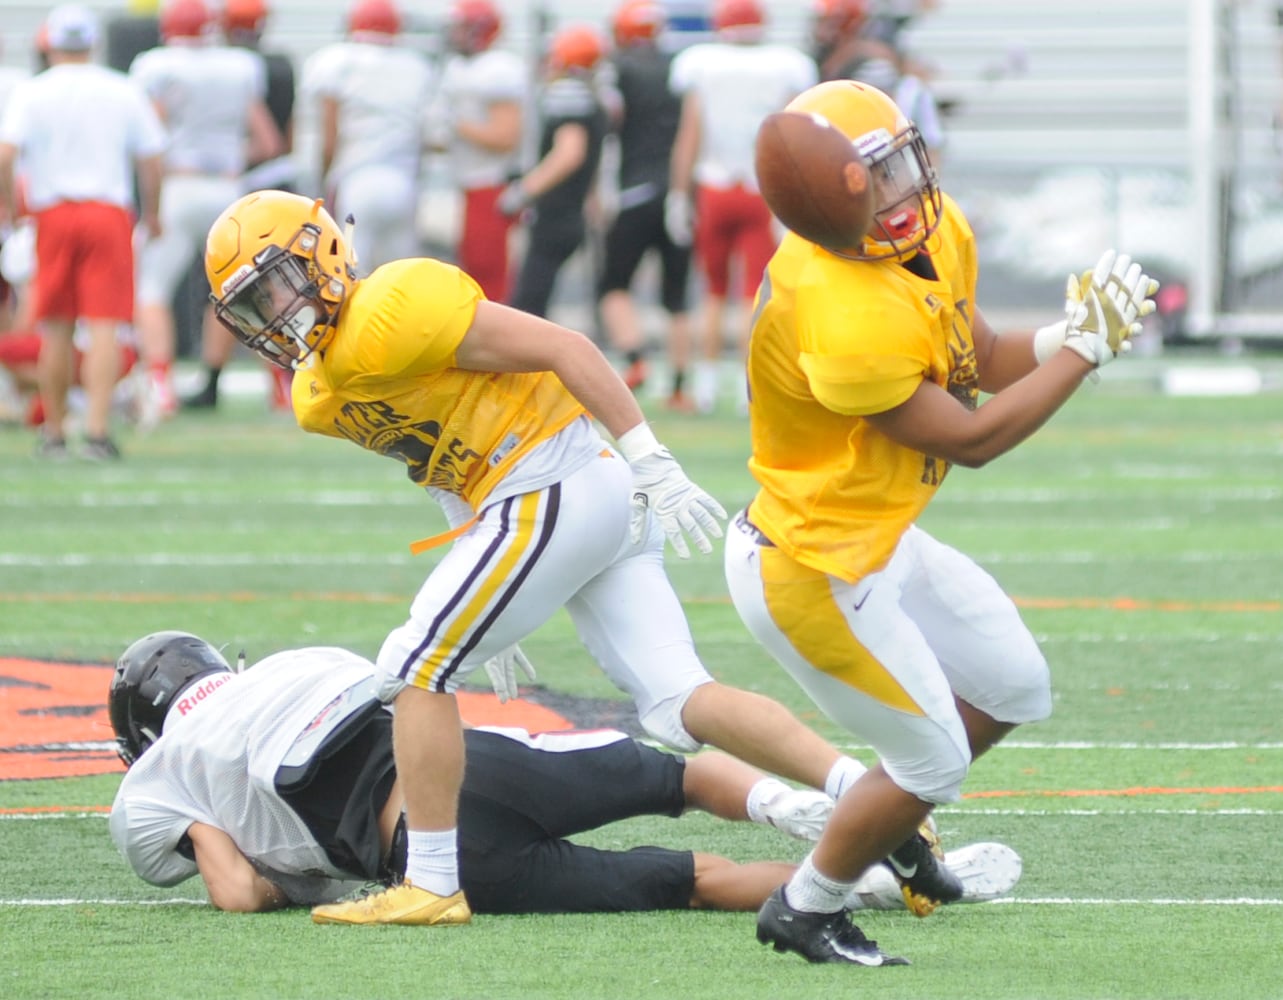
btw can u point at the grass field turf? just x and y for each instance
(1142, 536)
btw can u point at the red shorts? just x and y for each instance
(483, 244)
(732, 222)
(84, 262)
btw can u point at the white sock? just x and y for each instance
(704, 384)
(760, 794)
(845, 773)
(432, 860)
(811, 892)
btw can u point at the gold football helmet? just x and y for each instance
(279, 270)
(907, 201)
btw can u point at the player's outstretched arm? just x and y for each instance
(1103, 310)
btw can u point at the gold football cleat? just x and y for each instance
(401, 904)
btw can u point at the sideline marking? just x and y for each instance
(1075, 793)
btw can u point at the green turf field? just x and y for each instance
(1141, 534)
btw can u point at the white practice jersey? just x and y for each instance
(382, 93)
(469, 85)
(204, 94)
(737, 86)
(78, 129)
(217, 760)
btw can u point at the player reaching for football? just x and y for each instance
(865, 369)
(487, 407)
(299, 803)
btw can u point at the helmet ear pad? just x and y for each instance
(150, 676)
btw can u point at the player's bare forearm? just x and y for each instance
(232, 882)
(8, 155)
(685, 147)
(935, 423)
(1001, 359)
(503, 339)
(500, 132)
(568, 152)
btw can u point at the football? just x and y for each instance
(813, 179)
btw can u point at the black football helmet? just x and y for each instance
(150, 674)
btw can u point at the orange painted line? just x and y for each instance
(1076, 793)
(339, 597)
(993, 794)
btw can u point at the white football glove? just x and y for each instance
(679, 218)
(1104, 307)
(503, 672)
(659, 484)
(512, 200)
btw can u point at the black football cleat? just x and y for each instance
(924, 879)
(817, 937)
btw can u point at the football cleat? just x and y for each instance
(799, 812)
(924, 880)
(817, 937)
(987, 871)
(401, 904)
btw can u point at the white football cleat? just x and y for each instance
(987, 870)
(799, 812)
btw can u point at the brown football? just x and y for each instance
(813, 179)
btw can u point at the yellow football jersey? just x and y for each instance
(833, 340)
(386, 381)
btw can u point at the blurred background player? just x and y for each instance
(210, 97)
(82, 132)
(557, 188)
(727, 87)
(647, 125)
(370, 91)
(849, 42)
(243, 23)
(477, 120)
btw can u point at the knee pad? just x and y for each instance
(1027, 695)
(936, 778)
(663, 721)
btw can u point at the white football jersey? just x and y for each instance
(737, 87)
(204, 93)
(469, 85)
(216, 763)
(382, 92)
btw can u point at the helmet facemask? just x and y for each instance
(907, 198)
(283, 307)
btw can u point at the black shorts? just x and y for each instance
(341, 792)
(636, 230)
(518, 805)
